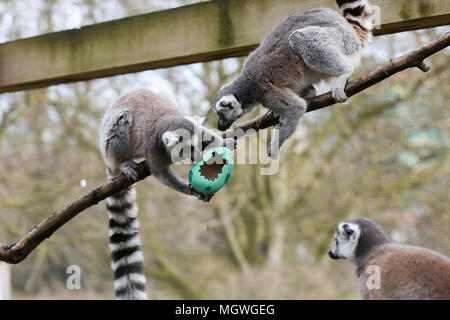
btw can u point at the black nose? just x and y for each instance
(224, 124)
(221, 126)
(226, 104)
(332, 255)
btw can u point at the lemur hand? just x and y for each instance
(201, 196)
(129, 169)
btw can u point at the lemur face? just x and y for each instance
(181, 145)
(229, 109)
(346, 237)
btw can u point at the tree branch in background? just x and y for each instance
(16, 252)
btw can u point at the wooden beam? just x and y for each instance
(197, 33)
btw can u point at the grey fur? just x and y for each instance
(133, 127)
(372, 235)
(144, 124)
(406, 272)
(305, 48)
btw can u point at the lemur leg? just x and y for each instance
(320, 53)
(289, 107)
(308, 92)
(117, 149)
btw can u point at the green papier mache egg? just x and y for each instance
(213, 172)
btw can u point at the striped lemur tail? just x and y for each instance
(124, 242)
(359, 14)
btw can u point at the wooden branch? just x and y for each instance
(16, 252)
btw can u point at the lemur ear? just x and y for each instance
(170, 139)
(196, 120)
(348, 230)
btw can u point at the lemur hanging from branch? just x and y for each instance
(305, 48)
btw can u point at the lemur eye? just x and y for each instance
(226, 104)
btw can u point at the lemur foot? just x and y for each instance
(201, 196)
(129, 170)
(338, 86)
(308, 93)
(206, 197)
(339, 95)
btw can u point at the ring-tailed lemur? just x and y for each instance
(405, 272)
(144, 124)
(305, 48)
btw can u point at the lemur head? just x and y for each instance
(233, 101)
(182, 138)
(228, 109)
(355, 238)
(346, 237)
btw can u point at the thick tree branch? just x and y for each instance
(15, 253)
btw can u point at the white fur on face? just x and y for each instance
(182, 145)
(170, 139)
(346, 244)
(229, 107)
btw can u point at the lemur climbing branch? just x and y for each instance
(413, 59)
(18, 251)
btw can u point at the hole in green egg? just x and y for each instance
(211, 169)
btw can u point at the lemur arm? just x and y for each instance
(171, 179)
(289, 108)
(159, 163)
